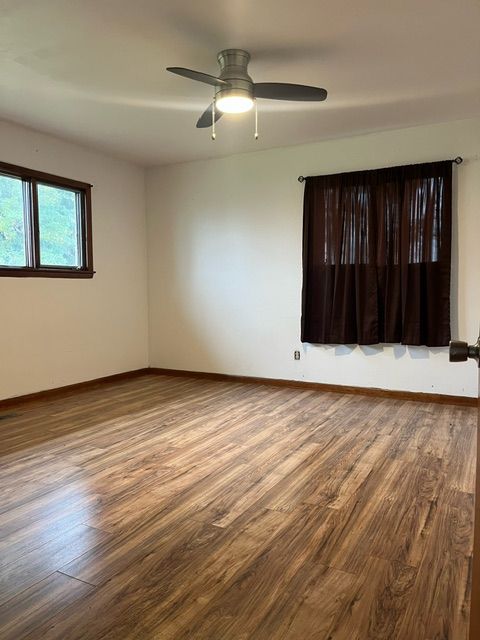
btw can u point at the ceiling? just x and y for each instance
(93, 71)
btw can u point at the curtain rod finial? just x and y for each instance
(458, 160)
(301, 179)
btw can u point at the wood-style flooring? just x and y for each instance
(173, 508)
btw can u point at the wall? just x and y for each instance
(224, 240)
(56, 332)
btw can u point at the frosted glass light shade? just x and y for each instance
(234, 104)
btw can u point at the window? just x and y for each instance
(376, 256)
(45, 225)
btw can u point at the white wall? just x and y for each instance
(55, 332)
(224, 240)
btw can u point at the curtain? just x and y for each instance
(376, 256)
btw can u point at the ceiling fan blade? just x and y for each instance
(205, 119)
(199, 76)
(285, 91)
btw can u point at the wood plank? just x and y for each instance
(224, 509)
(40, 562)
(23, 614)
(445, 574)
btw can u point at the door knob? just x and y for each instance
(461, 351)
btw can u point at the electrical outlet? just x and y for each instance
(296, 355)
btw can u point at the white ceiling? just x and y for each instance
(93, 71)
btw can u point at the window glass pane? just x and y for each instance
(12, 229)
(58, 224)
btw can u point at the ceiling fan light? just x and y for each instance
(234, 104)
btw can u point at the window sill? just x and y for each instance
(28, 272)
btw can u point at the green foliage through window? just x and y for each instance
(12, 225)
(45, 225)
(57, 212)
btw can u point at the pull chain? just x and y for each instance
(214, 135)
(256, 121)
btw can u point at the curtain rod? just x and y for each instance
(457, 160)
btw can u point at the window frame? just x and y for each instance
(30, 179)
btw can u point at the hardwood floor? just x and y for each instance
(173, 508)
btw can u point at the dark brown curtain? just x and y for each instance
(376, 256)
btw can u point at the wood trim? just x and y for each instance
(475, 598)
(415, 396)
(296, 384)
(34, 269)
(24, 172)
(34, 227)
(87, 235)
(44, 272)
(49, 394)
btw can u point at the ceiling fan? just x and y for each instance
(235, 91)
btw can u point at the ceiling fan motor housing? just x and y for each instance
(233, 69)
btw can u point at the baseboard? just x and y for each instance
(71, 388)
(415, 396)
(276, 382)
